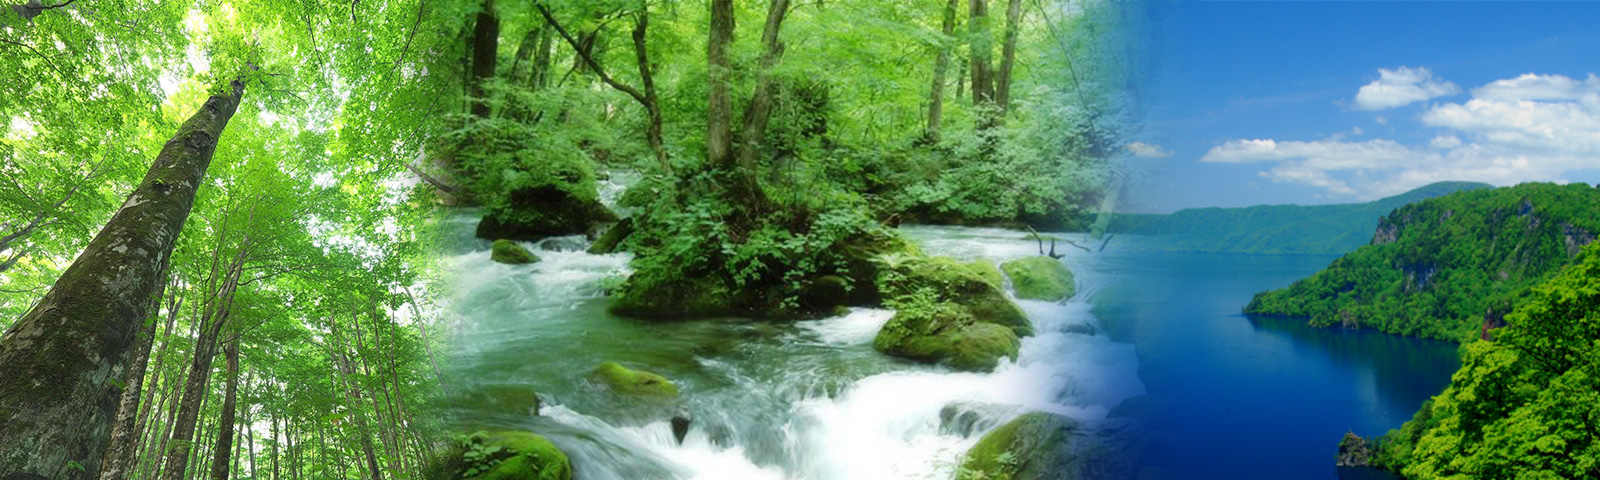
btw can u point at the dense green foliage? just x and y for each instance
(1272, 229)
(306, 207)
(847, 145)
(1438, 267)
(1525, 405)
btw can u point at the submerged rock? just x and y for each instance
(506, 251)
(544, 211)
(634, 383)
(1040, 278)
(504, 455)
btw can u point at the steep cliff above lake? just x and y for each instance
(1441, 267)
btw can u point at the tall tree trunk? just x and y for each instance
(485, 44)
(541, 60)
(352, 395)
(719, 122)
(981, 46)
(194, 390)
(941, 64)
(57, 397)
(759, 110)
(522, 64)
(230, 405)
(1008, 55)
(125, 433)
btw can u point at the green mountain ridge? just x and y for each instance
(1448, 267)
(1272, 229)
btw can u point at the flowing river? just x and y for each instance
(768, 399)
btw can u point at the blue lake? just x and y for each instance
(1243, 397)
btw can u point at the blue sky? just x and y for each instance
(1315, 102)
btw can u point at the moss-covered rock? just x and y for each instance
(506, 251)
(544, 211)
(961, 284)
(946, 333)
(611, 240)
(1040, 278)
(1023, 449)
(504, 455)
(634, 383)
(987, 271)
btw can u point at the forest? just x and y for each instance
(1449, 267)
(219, 221)
(761, 159)
(1523, 405)
(213, 256)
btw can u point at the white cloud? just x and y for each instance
(1402, 86)
(1445, 142)
(1148, 150)
(1528, 128)
(1356, 131)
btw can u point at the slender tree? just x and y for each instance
(57, 396)
(1008, 55)
(759, 110)
(941, 65)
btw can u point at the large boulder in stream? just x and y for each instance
(504, 455)
(946, 333)
(972, 287)
(634, 384)
(509, 252)
(949, 312)
(544, 211)
(1040, 278)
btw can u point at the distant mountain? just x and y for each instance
(1271, 229)
(1448, 267)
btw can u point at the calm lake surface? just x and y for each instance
(1243, 396)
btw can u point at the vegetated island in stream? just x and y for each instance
(777, 153)
(1512, 274)
(1271, 229)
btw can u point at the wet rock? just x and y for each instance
(1046, 446)
(1040, 278)
(965, 419)
(509, 252)
(680, 426)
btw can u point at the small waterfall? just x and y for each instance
(803, 400)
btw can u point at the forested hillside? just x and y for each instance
(1523, 405)
(208, 246)
(1271, 229)
(1448, 267)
